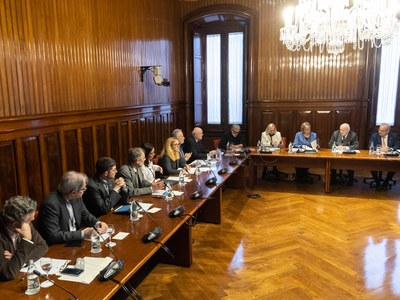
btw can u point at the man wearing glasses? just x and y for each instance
(63, 213)
(387, 141)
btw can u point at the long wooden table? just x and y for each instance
(324, 159)
(176, 235)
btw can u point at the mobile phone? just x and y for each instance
(71, 271)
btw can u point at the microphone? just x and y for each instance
(153, 234)
(55, 283)
(114, 267)
(178, 210)
(212, 180)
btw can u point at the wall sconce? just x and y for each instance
(158, 79)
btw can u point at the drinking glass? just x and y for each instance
(46, 264)
(110, 231)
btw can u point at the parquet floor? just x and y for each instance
(295, 242)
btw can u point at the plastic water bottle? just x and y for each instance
(259, 146)
(181, 178)
(134, 216)
(334, 147)
(32, 280)
(228, 147)
(290, 147)
(371, 148)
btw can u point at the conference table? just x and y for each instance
(323, 159)
(176, 235)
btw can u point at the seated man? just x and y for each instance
(19, 240)
(344, 139)
(132, 172)
(103, 191)
(387, 141)
(195, 146)
(178, 134)
(63, 212)
(233, 137)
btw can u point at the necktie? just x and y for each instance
(383, 143)
(71, 222)
(107, 188)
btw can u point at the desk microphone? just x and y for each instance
(178, 210)
(114, 267)
(212, 180)
(55, 283)
(153, 234)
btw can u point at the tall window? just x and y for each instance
(388, 83)
(234, 80)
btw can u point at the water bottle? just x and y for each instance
(181, 178)
(32, 280)
(333, 147)
(228, 147)
(134, 216)
(169, 195)
(371, 148)
(259, 146)
(290, 147)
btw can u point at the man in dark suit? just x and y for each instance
(104, 191)
(195, 146)
(63, 212)
(344, 139)
(132, 172)
(387, 141)
(19, 240)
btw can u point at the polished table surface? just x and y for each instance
(176, 235)
(326, 160)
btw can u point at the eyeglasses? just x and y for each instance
(175, 145)
(83, 189)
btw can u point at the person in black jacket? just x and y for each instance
(195, 146)
(63, 213)
(104, 191)
(19, 240)
(233, 137)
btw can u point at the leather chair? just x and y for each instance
(217, 143)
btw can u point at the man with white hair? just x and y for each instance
(344, 139)
(178, 134)
(195, 146)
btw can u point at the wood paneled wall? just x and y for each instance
(291, 83)
(35, 152)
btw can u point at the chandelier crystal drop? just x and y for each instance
(331, 24)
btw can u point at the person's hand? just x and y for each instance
(7, 254)
(101, 227)
(87, 232)
(188, 156)
(213, 152)
(186, 168)
(118, 184)
(385, 149)
(157, 185)
(160, 169)
(25, 231)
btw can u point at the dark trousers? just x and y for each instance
(378, 177)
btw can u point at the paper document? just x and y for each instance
(120, 235)
(93, 266)
(176, 178)
(314, 144)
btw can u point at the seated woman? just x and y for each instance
(305, 139)
(171, 160)
(271, 137)
(150, 170)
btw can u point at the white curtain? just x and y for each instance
(214, 79)
(235, 77)
(388, 80)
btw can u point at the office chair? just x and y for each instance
(275, 172)
(217, 143)
(372, 183)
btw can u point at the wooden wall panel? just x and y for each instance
(32, 168)
(53, 153)
(8, 182)
(87, 151)
(34, 162)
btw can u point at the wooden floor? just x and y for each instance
(295, 242)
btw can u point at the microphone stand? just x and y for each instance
(178, 210)
(55, 283)
(114, 267)
(153, 234)
(212, 180)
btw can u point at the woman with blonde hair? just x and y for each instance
(271, 137)
(171, 160)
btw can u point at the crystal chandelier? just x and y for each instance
(333, 23)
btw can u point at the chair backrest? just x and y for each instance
(217, 143)
(283, 139)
